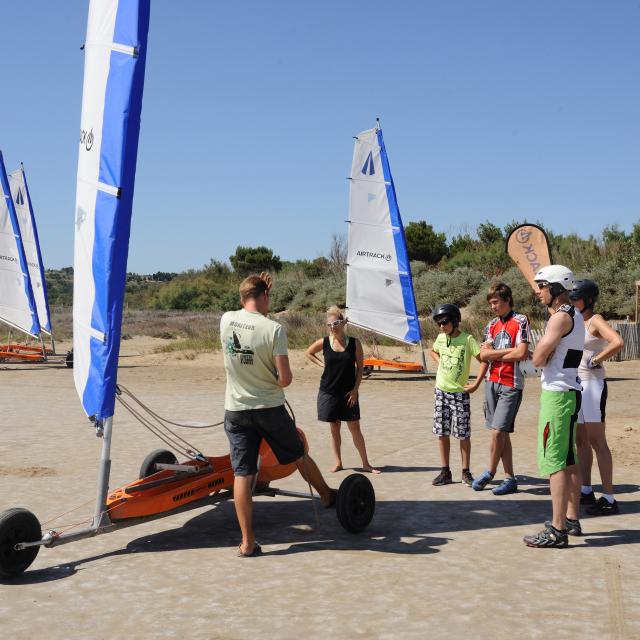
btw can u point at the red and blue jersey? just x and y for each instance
(506, 333)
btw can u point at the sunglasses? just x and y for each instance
(335, 323)
(443, 322)
(543, 285)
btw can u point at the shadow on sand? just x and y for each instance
(407, 527)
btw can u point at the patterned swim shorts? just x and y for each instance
(452, 414)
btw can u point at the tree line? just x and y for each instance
(453, 270)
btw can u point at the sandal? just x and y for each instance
(256, 551)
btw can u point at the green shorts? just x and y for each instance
(557, 430)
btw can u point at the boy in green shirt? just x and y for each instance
(453, 350)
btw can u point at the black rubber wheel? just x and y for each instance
(17, 525)
(148, 466)
(367, 370)
(68, 360)
(356, 503)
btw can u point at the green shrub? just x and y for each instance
(437, 287)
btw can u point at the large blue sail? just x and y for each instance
(379, 287)
(17, 304)
(115, 54)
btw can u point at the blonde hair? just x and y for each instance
(252, 287)
(333, 310)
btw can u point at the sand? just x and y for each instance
(436, 562)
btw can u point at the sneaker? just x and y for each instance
(587, 498)
(467, 478)
(444, 477)
(574, 527)
(548, 537)
(480, 483)
(508, 485)
(603, 508)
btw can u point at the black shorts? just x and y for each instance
(335, 408)
(246, 429)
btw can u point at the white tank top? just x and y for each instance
(561, 372)
(592, 347)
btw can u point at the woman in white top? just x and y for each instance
(601, 342)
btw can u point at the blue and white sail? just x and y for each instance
(17, 304)
(29, 232)
(115, 54)
(379, 287)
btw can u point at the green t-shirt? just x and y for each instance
(249, 342)
(455, 360)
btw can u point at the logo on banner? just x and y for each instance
(367, 168)
(8, 258)
(20, 197)
(86, 138)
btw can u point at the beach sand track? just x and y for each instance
(437, 562)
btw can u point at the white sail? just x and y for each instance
(29, 233)
(17, 306)
(379, 288)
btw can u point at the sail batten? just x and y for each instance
(109, 130)
(380, 294)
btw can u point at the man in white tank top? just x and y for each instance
(559, 353)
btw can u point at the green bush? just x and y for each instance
(437, 287)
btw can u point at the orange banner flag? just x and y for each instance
(528, 247)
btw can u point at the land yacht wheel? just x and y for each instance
(355, 503)
(148, 466)
(17, 525)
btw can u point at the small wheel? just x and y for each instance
(355, 503)
(68, 360)
(148, 466)
(17, 525)
(367, 370)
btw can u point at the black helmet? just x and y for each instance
(449, 310)
(586, 290)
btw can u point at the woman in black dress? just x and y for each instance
(338, 394)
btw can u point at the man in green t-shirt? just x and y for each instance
(257, 367)
(453, 350)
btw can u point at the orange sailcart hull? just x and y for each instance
(158, 493)
(394, 364)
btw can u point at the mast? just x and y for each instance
(380, 293)
(17, 304)
(115, 55)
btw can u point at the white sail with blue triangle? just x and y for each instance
(380, 293)
(31, 244)
(17, 304)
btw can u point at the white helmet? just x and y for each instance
(556, 274)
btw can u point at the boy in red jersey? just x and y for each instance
(506, 342)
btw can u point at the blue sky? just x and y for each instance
(496, 110)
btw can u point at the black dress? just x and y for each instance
(338, 378)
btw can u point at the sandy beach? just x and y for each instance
(436, 562)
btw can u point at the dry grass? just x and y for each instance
(198, 332)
